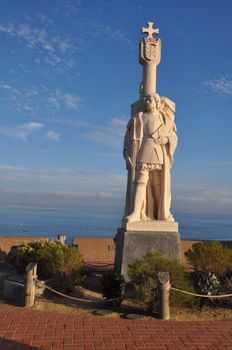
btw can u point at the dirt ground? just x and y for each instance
(91, 290)
(206, 314)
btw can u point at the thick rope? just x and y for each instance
(98, 265)
(108, 300)
(76, 299)
(202, 295)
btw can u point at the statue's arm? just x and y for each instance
(126, 146)
(133, 139)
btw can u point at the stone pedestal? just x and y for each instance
(138, 238)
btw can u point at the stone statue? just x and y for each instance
(149, 143)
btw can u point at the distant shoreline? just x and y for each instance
(20, 221)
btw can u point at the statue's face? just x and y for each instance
(150, 103)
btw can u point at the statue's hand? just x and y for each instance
(129, 162)
(127, 159)
(161, 140)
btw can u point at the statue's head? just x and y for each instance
(152, 102)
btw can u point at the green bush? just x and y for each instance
(212, 270)
(143, 274)
(68, 273)
(113, 286)
(210, 256)
(226, 288)
(54, 260)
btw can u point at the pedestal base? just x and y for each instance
(131, 245)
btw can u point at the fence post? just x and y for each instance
(30, 279)
(164, 292)
(62, 238)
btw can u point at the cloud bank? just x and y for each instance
(221, 85)
(21, 132)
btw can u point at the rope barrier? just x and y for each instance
(202, 295)
(108, 300)
(97, 265)
(74, 298)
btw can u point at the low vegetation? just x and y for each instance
(211, 264)
(210, 256)
(54, 260)
(210, 274)
(113, 286)
(143, 274)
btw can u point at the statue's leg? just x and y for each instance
(156, 181)
(140, 196)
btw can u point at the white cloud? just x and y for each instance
(64, 45)
(71, 6)
(38, 98)
(46, 44)
(110, 135)
(221, 85)
(44, 19)
(208, 197)
(45, 151)
(64, 188)
(220, 164)
(58, 99)
(102, 30)
(21, 132)
(201, 195)
(9, 88)
(61, 180)
(96, 203)
(54, 101)
(77, 123)
(53, 136)
(71, 101)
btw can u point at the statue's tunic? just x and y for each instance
(151, 153)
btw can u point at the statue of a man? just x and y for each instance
(156, 143)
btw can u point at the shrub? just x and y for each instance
(212, 270)
(53, 259)
(113, 286)
(210, 256)
(44, 252)
(143, 274)
(206, 283)
(226, 288)
(69, 270)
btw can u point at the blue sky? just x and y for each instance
(69, 73)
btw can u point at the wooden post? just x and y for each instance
(30, 279)
(164, 292)
(62, 238)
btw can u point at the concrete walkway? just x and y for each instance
(22, 329)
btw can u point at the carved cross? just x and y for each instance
(150, 30)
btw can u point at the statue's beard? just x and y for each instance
(150, 109)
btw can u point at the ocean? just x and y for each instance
(50, 222)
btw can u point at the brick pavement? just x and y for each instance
(27, 329)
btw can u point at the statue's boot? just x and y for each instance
(140, 194)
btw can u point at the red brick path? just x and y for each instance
(22, 329)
